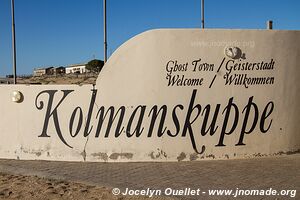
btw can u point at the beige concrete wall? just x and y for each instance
(135, 80)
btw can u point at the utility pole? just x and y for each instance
(202, 14)
(14, 41)
(270, 24)
(105, 32)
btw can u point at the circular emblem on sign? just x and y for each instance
(17, 96)
(232, 52)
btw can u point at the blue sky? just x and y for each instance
(62, 32)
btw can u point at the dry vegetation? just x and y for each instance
(79, 79)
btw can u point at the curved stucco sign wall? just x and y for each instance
(166, 95)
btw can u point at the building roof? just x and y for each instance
(43, 68)
(76, 65)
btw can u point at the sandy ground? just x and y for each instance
(35, 188)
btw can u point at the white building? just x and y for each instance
(42, 71)
(77, 68)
